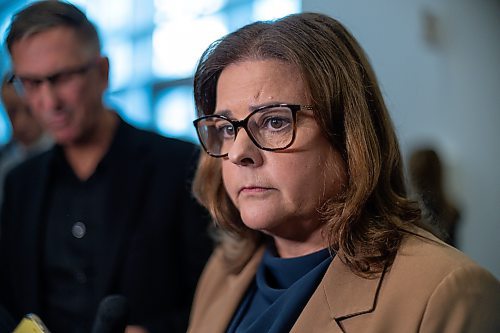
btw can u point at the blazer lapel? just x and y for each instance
(235, 289)
(30, 262)
(123, 213)
(341, 295)
(229, 294)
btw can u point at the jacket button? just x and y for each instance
(78, 230)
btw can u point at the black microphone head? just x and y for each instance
(112, 315)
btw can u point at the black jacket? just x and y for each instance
(157, 234)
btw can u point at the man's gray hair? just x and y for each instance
(48, 14)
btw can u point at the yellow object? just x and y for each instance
(31, 323)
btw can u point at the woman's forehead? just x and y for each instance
(256, 83)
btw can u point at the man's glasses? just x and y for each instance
(26, 85)
(271, 128)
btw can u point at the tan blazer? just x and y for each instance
(431, 287)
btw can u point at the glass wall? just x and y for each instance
(153, 46)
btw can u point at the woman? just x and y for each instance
(302, 175)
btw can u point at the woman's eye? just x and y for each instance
(226, 130)
(275, 123)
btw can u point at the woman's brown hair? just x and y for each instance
(365, 227)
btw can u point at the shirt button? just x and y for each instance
(81, 277)
(78, 230)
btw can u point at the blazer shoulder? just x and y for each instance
(31, 167)
(467, 297)
(421, 249)
(430, 287)
(424, 264)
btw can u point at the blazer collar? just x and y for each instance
(30, 260)
(230, 285)
(340, 295)
(125, 156)
(354, 295)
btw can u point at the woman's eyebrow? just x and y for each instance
(225, 113)
(228, 113)
(263, 105)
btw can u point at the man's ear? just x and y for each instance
(103, 68)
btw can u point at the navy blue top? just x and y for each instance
(279, 292)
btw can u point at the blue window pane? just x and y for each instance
(142, 63)
(175, 9)
(175, 112)
(142, 16)
(120, 53)
(111, 15)
(82, 4)
(4, 26)
(273, 9)
(238, 16)
(5, 129)
(134, 106)
(177, 45)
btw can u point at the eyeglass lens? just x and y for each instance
(269, 128)
(29, 85)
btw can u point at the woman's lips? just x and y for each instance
(254, 190)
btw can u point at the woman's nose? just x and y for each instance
(244, 152)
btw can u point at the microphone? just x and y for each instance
(31, 323)
(111, 315)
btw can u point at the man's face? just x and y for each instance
(63, 83)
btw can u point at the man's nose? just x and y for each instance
(47, 98)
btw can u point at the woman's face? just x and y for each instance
(278, 193)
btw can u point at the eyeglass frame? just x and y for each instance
(17, 81)
(294, 108)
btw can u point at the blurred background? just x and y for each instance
(153, 46)
(438, 63)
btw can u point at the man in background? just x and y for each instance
(28, 137)
(427, 181)
(108, 210)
